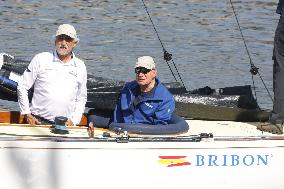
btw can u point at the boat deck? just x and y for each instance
(226, 128)
(217, 128)
(11, 125)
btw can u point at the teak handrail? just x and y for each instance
(16, 117)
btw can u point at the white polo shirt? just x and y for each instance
(59, 88)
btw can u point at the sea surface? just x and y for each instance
(202, 36)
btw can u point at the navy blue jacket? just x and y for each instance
(280, 7)
(132, 107)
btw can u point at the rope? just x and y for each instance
(167, 55)
(254, 69)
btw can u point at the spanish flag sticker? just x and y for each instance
(173, 161)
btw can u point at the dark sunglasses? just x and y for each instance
(64, 37)
(142, 70)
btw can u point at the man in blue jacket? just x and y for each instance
(275, 123)
(145, 100)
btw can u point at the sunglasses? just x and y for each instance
(64, 37)
(142, 70)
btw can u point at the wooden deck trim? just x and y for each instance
(11, 117)
(15, 117)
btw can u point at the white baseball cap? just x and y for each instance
(67, 29)
(146, 62)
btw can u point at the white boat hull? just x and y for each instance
(68, 165)
(239, 156)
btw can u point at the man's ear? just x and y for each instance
(155, 72)
(75, 44)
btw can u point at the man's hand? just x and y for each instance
(69, 123)
(31, 119)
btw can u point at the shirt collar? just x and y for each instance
(71, 62)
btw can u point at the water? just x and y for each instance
(202, 35)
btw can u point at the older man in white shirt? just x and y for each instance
(59, 80)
